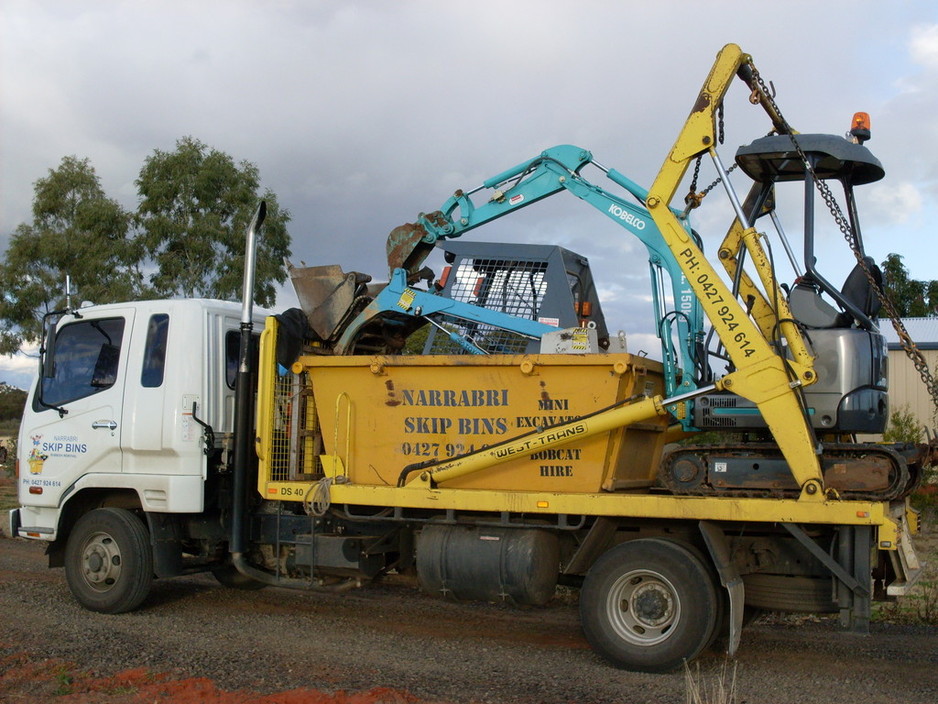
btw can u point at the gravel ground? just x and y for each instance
(393, 637)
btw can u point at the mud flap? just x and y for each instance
(729, 577)
(905, 561)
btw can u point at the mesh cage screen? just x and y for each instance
(296, 441)
(512, 286)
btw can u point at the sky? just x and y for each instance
(361, 114)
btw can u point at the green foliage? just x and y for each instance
(417, 341)
(195, 205)
(925, 499)
(11, 411)
(931, 291)
(77, 231)
(903, 426)
(65, 679)
(11, 403)
(912, 298)
(919, 607)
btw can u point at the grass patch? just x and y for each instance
(717, 687)
(118, 691)
(8, 497)
(920, 605)
(64, 680)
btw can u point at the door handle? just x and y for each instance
(109, 424)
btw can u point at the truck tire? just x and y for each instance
(109, 561)
(721, 621)
(649, 605)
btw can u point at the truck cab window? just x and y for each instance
(86, 360)
(154, 354)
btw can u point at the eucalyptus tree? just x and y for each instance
(195, 205)
(76, 232)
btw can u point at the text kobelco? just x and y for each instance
(625, 216)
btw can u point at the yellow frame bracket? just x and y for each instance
(761, 375)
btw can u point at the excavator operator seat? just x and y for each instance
(809, 309)
(860, 292)
(812, 311)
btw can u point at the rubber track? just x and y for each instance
(903, 482)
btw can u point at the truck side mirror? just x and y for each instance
(47, 349)
(47, 358)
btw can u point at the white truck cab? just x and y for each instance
(132, 401)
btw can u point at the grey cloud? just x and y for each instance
(362, 114)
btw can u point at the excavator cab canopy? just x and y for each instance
(775, 158)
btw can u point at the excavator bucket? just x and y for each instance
(327, 295)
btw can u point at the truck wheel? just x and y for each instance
(648, 605)
(109, 561)
(721, 621)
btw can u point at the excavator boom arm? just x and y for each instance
(553, 171)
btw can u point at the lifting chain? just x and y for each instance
(911, 350)
(693, 199)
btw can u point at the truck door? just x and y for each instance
(73, 427)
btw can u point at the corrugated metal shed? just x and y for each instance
(923, 331)
(906, 389)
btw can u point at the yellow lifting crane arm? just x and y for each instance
(761, 374)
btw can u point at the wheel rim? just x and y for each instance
(643, 607)
(100, 562)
